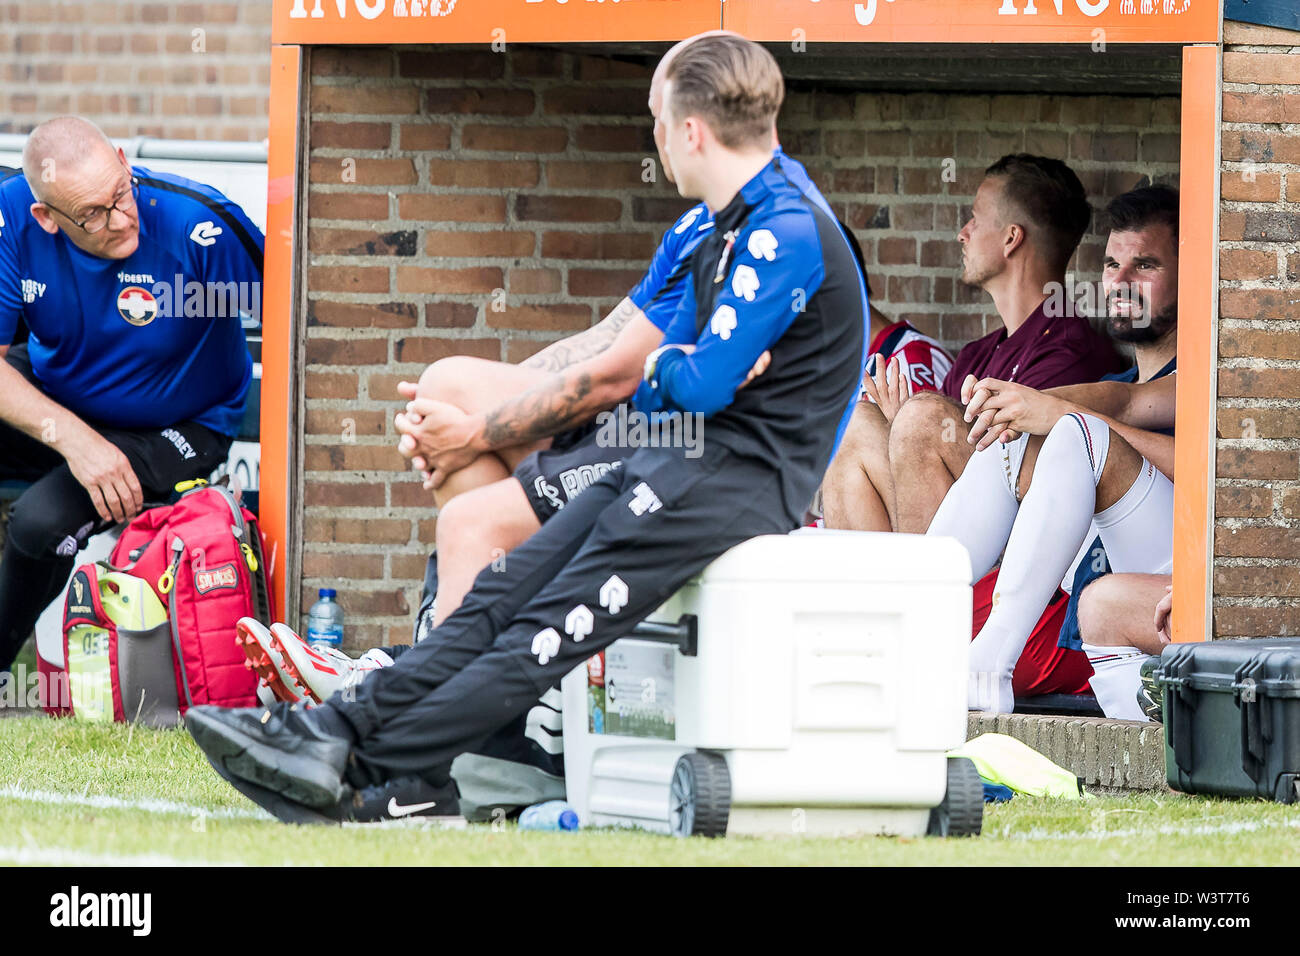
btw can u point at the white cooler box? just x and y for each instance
(809, 682)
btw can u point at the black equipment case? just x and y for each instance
(1232, 717)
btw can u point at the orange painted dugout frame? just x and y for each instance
(278, 373)
(1198, 297)
(1198, 237)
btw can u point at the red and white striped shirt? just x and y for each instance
(923, 360)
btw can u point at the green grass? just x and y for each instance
(198, 818)
(26, 658)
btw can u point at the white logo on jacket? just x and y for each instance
(546, 644)
(613, 594)
(545, 722)
(644, 499)
(580, 622)
(723, 322)
(744, 282)
(762, 244)
(548, 491)
(32, 290)
(206, 232)
(689, 218)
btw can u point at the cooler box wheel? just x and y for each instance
(700, 795)
(962, 811)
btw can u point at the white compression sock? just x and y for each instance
(1054, 517)
(1138, 534)
(1138, 530)
(981, 506)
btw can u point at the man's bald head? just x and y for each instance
(75, 175)
(63, 144)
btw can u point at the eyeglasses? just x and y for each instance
(100, 215)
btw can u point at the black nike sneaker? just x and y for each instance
(408, 799)
(1150, 694)
(280, 806)
(280, 749)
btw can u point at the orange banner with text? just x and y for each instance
(341, 22)
(1094, 22)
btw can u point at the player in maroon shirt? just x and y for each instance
(1028, 216)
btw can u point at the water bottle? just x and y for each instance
(551, 815)
(325, 622)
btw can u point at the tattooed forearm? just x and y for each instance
(577, 348)
(620, 317)
(553, 358)
(568, 397)
(543, 411)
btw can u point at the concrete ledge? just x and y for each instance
(1116, 754)
(19, 712)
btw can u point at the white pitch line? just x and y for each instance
(55, 856)
(1239, 826)
(103, 802)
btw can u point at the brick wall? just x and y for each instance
(1257, 500)
(171, 70)
(469, 202)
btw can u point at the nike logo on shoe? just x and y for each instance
(395, 809)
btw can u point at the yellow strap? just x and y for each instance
(249, 559)
(184, 486)
(168, 577)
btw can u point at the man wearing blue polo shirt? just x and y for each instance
(134, 375)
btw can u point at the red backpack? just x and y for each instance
(203, 559)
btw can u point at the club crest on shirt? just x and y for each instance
(137, 305)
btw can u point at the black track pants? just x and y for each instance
(595, 570)
(53, 518)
